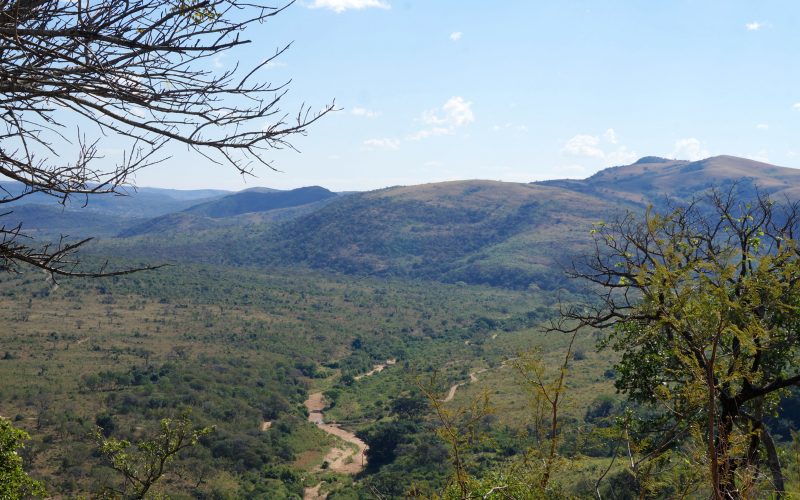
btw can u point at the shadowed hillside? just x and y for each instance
(258, 206)
(497, 233)
(479, 232)
(260, 201)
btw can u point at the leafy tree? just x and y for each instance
(14, 482)
(144, 463)
(460, 429)
(702, 304)
(546, 398)
(76, 75)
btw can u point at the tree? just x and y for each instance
(14, 482)
(702, 304)
(139, 73)
(546, 397)
(143, 466)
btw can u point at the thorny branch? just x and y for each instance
(140, 72)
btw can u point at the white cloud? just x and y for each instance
(762, 126)
(137, 111)
(796, 106)
(453, 114)
(621, 156)
(342, 5)
(689, 149)
(584, 145)
(514, 127)
(610, 136)
(456, 112)
(429, 132)
(366, 113)
(754, 26)
(596, 146)
(456, 36)
(384, 143)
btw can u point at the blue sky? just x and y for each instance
(519, 90)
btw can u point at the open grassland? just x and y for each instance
(240, 347)
(244, 348)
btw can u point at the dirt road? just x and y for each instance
(473, 377)
(376, 369)
(342, 459)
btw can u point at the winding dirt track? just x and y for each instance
(338, 457)
(341, 459)
(376, 369)
(312, 493)
(473, 377)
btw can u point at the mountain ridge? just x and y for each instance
(477, 231)
(651, 178)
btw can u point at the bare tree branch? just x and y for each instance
(137, 71)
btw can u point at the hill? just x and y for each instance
(477, 232)
(259, 206)
(651, 179)
(502, 234)
(44, 216)
(259, 201)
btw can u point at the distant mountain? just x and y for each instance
(496, 233)
(245, 208)
(53, 221)
(258, 200)
(652, 178)
(473, 231)
(186, 194)
(129, 203)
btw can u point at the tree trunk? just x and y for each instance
(774, 463)
(726, 463)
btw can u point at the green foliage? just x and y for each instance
(712, 342)
(241, 347)
(144, 463)
(14, 481)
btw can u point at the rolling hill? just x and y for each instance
(477, 232)
(257, 206)
(651, 179)
(472, 231)
(257, 200)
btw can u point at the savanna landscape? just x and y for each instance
(626, 328)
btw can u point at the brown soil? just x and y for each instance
(342, 459)
(312, 493)
(453, 388)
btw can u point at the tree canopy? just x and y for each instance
(702, 304)
(14, 482)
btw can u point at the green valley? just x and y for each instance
(369, 301)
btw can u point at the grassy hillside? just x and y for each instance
(651, 179)
(482, 232)
(239, 212)
(479, 232)
(473, 231)
(259, 201)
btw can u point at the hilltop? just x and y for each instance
(505, 234)
(651, 178)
